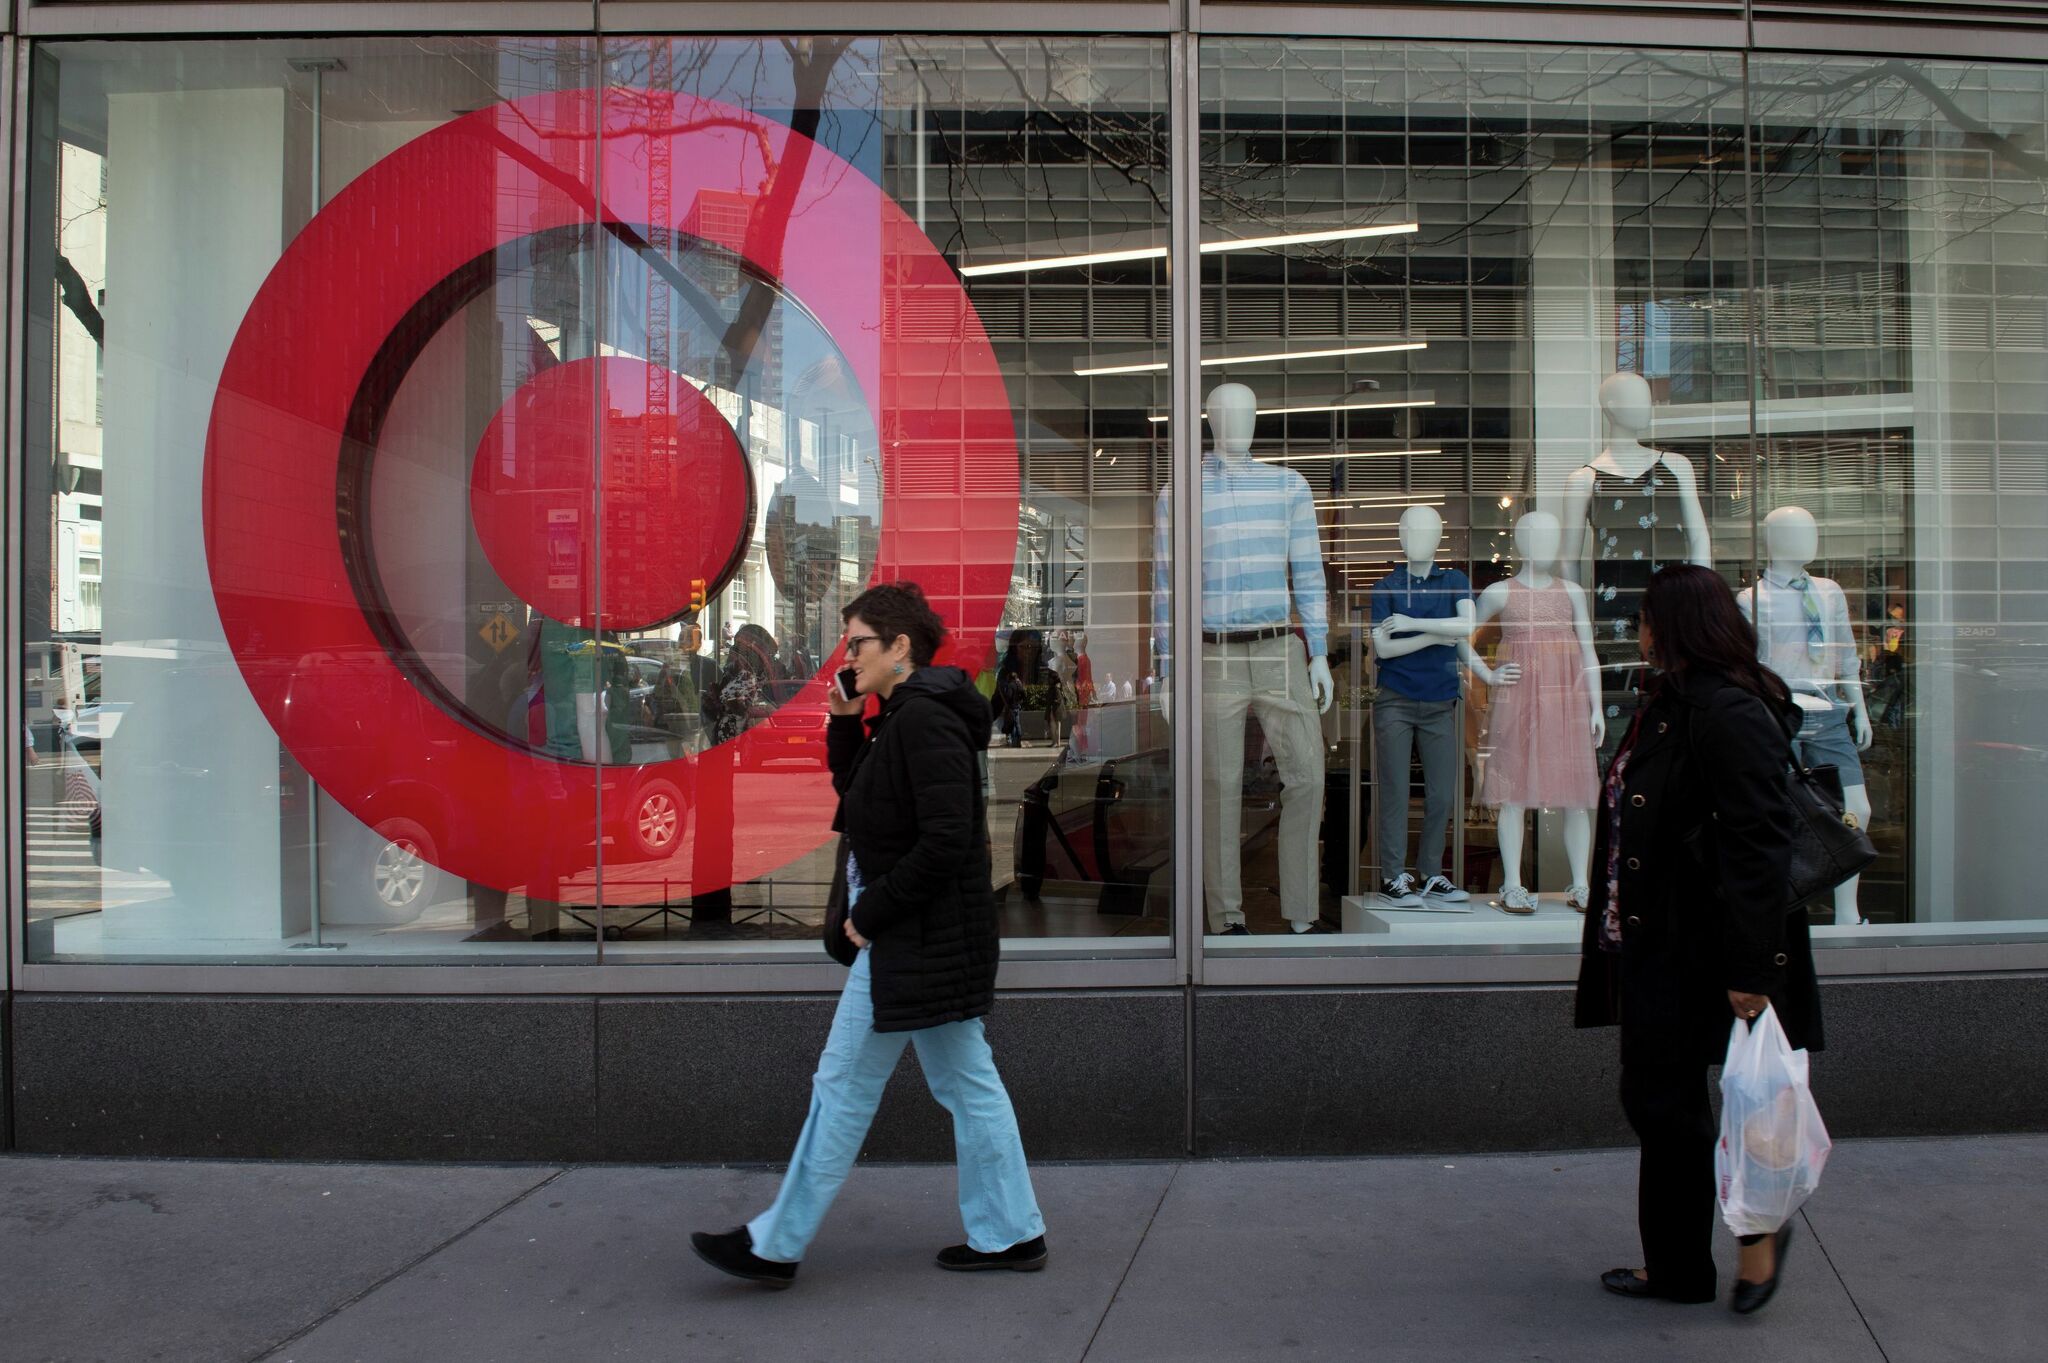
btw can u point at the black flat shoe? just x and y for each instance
(1623, 1282)
(733, 1252)
(1027, 1256)
(1750, 1296)
(1235, 930)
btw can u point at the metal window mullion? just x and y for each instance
(1185, 676)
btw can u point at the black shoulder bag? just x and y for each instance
(1828, 845)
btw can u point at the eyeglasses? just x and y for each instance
(854, 641)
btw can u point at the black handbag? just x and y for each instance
(1828, 844)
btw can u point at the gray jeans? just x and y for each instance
(1399, 727)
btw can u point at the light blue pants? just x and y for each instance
(996, 1201)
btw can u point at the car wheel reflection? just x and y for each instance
(657, 821)
(403, 875)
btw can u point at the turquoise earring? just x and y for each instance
(899, 669)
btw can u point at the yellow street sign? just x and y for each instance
(499, 632)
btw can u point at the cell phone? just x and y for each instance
(846, 684)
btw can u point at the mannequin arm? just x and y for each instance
(1582, 625)
(1575, 557)
(1699, 548)
(1416, 635)
(1491, 602)
(1319, 683)
(1850, 670)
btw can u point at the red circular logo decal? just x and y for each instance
(345, 311)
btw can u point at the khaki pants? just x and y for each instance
(1268, 679)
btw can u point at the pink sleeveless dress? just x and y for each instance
(1539, 730)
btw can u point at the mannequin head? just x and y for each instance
(1232, 411)
(1790, 537)
(1537, 540)
(1626, 400)
(1422, 531)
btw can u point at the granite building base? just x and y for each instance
(1095, 1075)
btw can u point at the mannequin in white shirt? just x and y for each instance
(1233, 412)
(1252, 658)
(1825, 676)
(1538, 540)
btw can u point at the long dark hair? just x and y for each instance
(1696, 626)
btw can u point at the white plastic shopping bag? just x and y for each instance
(1773, 1145)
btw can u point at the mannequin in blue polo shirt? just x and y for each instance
(1420, 614)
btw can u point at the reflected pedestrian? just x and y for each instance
(1687, 928)
(917, 926)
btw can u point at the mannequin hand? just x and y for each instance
(1164, 691)
(1599, 727)
(1861, 721)
(1396, 623)
(1507, 674)
(1320, 684)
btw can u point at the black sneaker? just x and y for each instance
(1233, 930)
(733, 1252)
(1440, 887)
(1399, 893)
(1026, 1257)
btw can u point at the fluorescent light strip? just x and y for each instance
(1063, 262)
(1392, 229)
(1149, 367)
(1208, 248)
(1348, 454)
(1328, 407)
(1378, 499)
(1210, 362)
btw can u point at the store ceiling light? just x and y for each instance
(1118, 364)
(1063, 262)
(1208, 248)
(1375, 405)
(1389, 229)
(1346, 454)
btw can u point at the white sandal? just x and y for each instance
(1575, 898)
(1516, 900)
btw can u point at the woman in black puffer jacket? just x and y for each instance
(917, 923)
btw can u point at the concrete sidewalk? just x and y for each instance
(1914, 1250)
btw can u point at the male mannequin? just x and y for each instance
(1547, 717)
(1261, 567)
(1629, 512)
(1803, 634)
(1421, 614)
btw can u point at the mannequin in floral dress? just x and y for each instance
(1546, 717)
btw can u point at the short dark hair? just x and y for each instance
(899, 608)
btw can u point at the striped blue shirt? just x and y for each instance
(1262, 561)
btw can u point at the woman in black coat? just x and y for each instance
(1687, 928)
(913, 914)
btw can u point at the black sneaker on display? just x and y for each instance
(1399, 893)
(1234, 930)
(1440, 887)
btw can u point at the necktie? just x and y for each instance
(1809, 602)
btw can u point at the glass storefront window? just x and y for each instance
(443, 517)
(446, 460)
(1548, 319)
